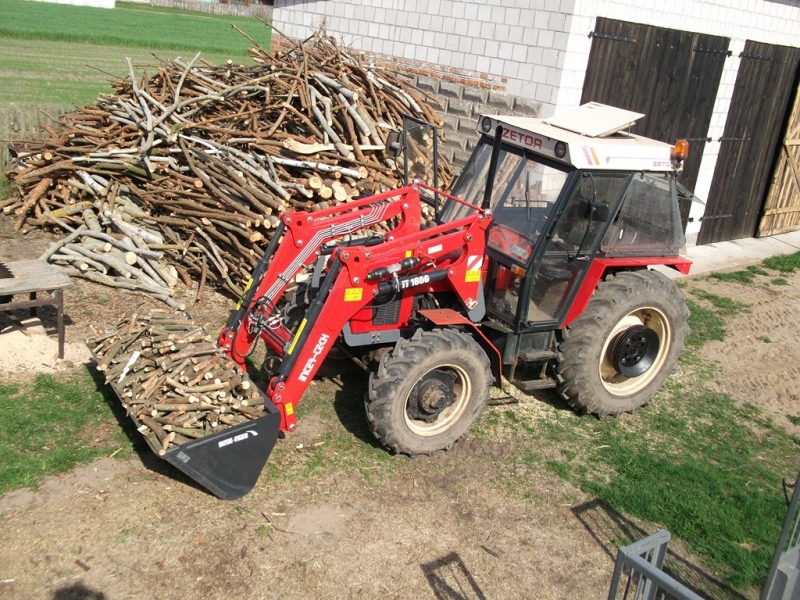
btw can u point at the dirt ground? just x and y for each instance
(438, 527)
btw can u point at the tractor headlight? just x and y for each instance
(486, 125)
(561, 149)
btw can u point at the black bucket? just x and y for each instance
(227, 463)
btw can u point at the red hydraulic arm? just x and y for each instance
(404, 262)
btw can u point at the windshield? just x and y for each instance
(525, 192)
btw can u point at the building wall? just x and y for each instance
(772, 22)
(537, 49)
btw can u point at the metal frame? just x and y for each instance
(783, 580)
(56, 298)
(645, 579)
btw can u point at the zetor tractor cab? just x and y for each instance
(535, 267)
(579, 210)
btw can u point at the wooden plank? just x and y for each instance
(32, 276)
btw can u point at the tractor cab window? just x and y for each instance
(648, 221)
(524, 194)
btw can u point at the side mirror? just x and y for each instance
(394, 143)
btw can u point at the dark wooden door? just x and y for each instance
(764, 87)
(671, 76)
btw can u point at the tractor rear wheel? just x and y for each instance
(619, 352)
(427, 392)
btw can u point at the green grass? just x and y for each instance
(694, 462)
(60, 55)
(128, 25)
(52, 425)
(785, 263)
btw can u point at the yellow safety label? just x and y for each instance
(296, 336)
(473, 276)
(244, 293)
(409, 253)
(353, 294)
(289, 409)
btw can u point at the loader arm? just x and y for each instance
(403, 262)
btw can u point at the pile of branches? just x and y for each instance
(173, 379)
(193, 166)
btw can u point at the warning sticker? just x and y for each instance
(353, 294)
(289, 408)
(473, 276)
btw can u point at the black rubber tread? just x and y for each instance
(579, 381)
(400, 369)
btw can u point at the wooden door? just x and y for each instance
(782, 208)
(764, 86)
(671, 76)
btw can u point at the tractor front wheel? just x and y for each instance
(427, 392)
(619, 352)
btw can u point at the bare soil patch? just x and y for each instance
(439, 527)
(759, 360)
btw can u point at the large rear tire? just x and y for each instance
(427, 392)
(620, 351)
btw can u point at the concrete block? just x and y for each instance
(470, 10)
(428, 84)
(505, 51)
(534, 55)
(525, 18)
(470, 62)
(449, 25)
(545, 39)
(501, 32)
(510, 69)
(449, 122)
(478, 47)
(549, 58)
(461, 27)
(482, 65)
(474, 29)
(519, 53)
(498, 14)
(557, 22)
(464, 44)
(456, 139)
(462, 108)
(496, 66)
(485, 13)
(492, 48)
(446, 153)
(501, 101)
(468, 127)
(450, 89)
(460, 158)
(527, 106)
(475, 94)
(516, 34)
(540, 20)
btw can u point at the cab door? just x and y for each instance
(559, 268)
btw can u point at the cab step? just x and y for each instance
(537, 355)
(534, 384)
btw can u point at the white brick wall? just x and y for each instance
(539, 49)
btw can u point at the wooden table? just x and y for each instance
(31, 277)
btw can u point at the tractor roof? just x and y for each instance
(593, 137)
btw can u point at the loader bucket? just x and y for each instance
(229, 462)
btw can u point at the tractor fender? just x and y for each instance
(447, 317)
(600, 266)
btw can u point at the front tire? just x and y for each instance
(620, 351)
(427, 392)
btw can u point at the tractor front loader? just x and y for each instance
(535, 270)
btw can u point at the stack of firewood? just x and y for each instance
(173, 379)
(189, 169)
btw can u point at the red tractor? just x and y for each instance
(535, 268)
